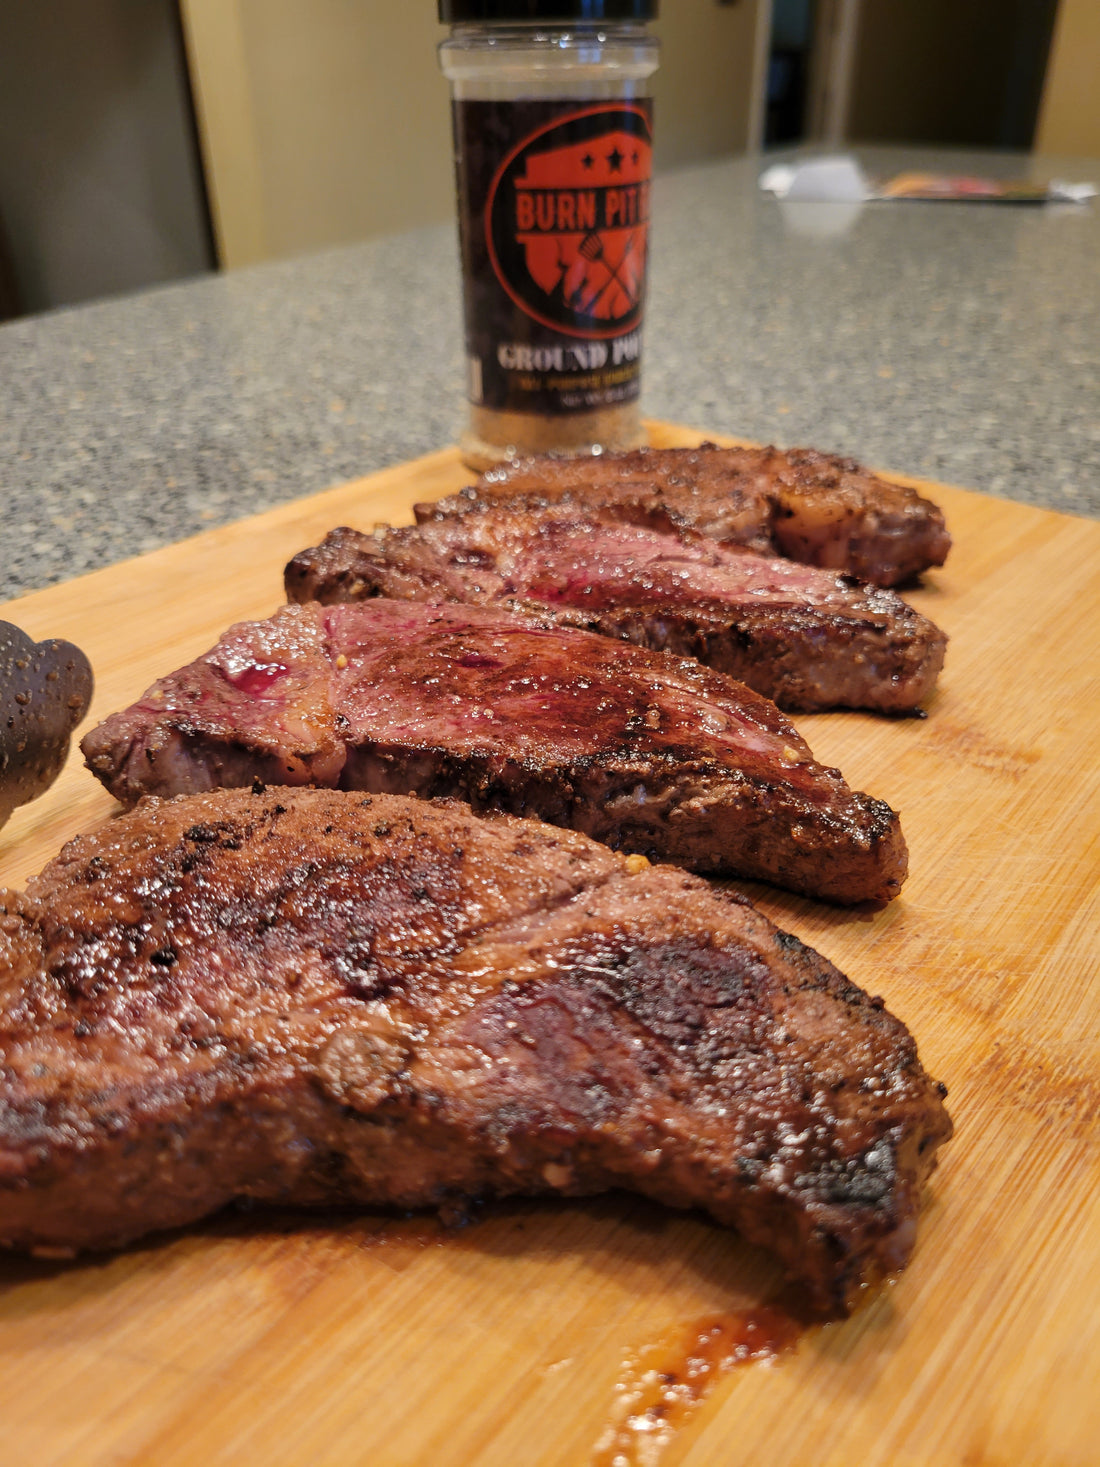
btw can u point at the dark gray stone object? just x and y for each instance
(45, 689)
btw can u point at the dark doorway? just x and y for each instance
(963, 73)
(958, 72)
(788, 81)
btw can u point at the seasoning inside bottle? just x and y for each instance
(553, 129)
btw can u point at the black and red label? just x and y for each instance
(554, 219)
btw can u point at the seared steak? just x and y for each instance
(806, 638)
(314, 997)
(644, 752)
(813, 507)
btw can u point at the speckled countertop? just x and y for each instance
(960, 342)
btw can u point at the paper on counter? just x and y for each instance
(840, 180)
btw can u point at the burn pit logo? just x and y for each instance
(567, 221)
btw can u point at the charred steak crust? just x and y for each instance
(806, 638)
(813, 507)
(646, 753)
(315, 997)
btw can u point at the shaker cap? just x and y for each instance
(451, 11)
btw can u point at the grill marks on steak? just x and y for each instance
(646, 753)
(812, 507)
(313, 997)
(806, 638)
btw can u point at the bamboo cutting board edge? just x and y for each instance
(229, 1343)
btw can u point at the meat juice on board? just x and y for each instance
(553, 131)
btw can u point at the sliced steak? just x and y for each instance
(812, 507)
(312, 997)
(647, 753)
(806, 638)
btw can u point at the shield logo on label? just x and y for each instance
(567, 221)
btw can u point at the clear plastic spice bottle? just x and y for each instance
(553, 128)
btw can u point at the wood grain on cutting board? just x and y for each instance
(294, 1340)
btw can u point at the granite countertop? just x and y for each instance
(955, 341)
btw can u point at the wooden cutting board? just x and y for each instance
(265, 1338)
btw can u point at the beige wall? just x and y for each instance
(704, 87)
(1069, 120)
(99, 186)
(322, 121)
(328, 121)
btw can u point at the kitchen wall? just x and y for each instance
(326, 121)
(321, 121)
(705, 94)
(1069, 121)
(100, 188)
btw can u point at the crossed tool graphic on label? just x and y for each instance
(592, 249)
(585, 301)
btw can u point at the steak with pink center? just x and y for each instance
(810, 506)
(650, 754)
(807, 638)
(627, 561)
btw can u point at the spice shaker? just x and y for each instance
(553, 132)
